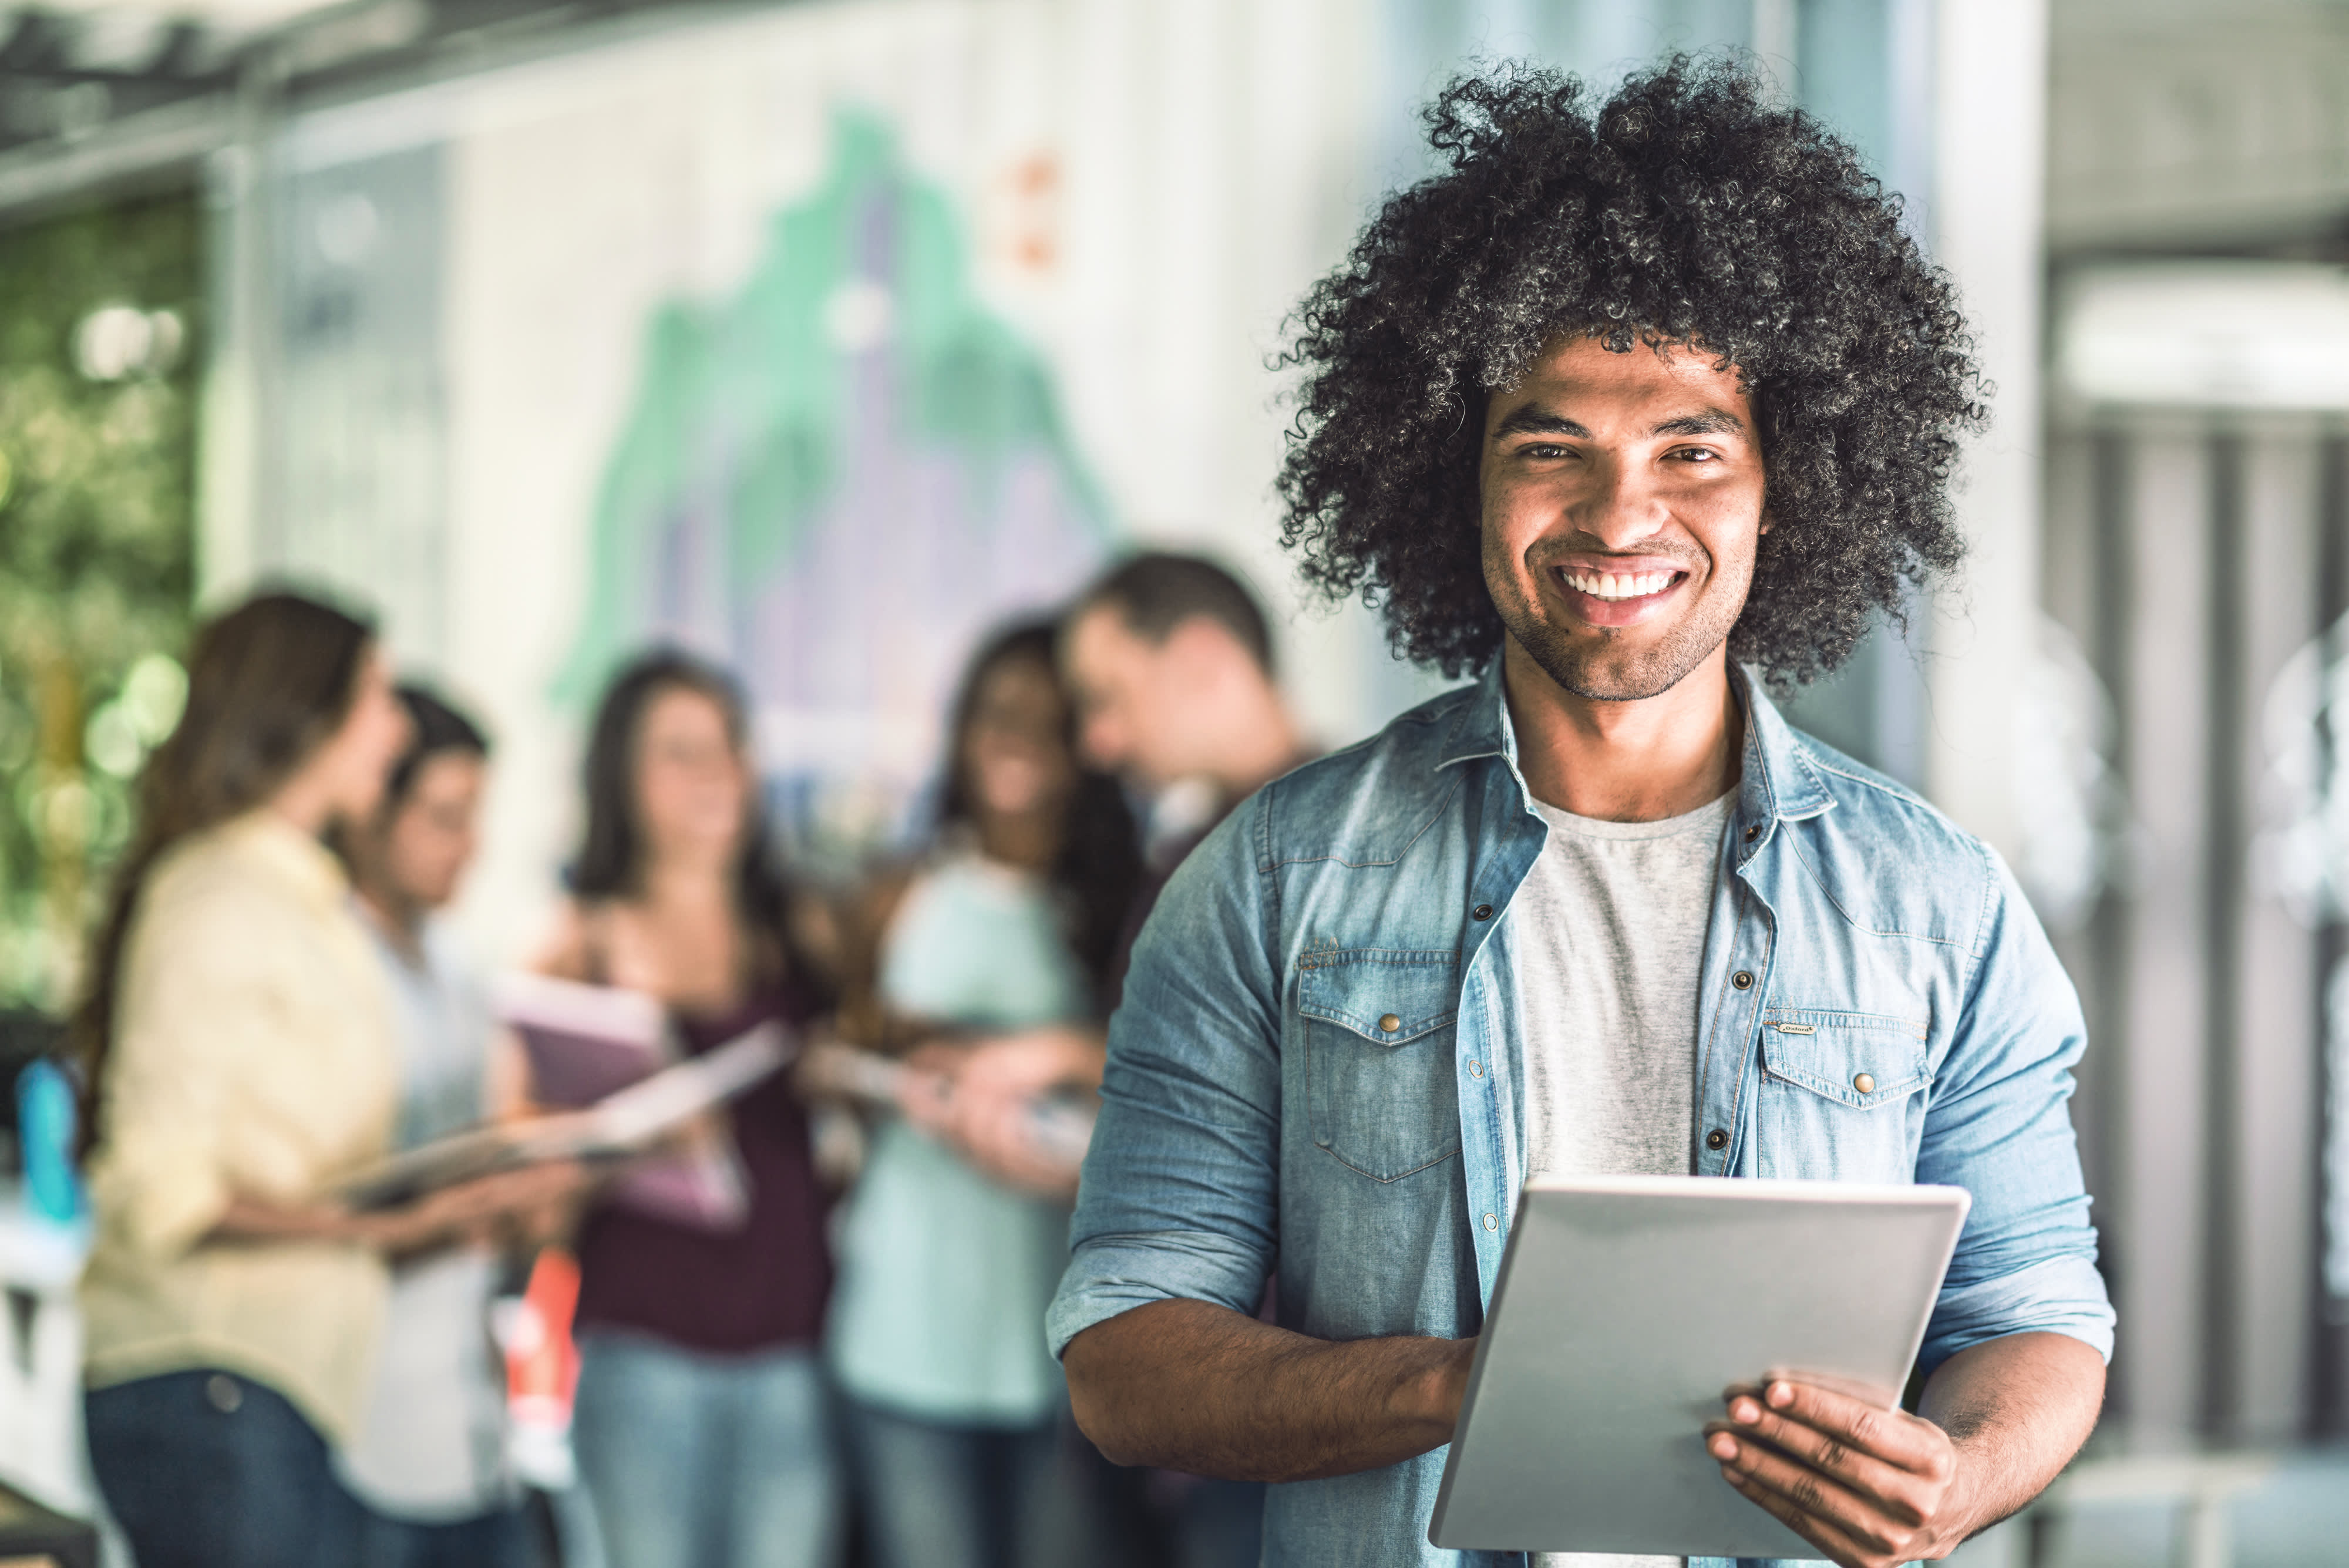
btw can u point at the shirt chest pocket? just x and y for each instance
(1840, 1098)
(1378, 1034)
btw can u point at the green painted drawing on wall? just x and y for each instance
(837, 479)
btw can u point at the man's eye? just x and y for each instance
(1545, 450)
(1697, 454)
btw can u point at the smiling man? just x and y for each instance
(1625, 401)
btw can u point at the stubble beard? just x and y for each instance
(1601, 669)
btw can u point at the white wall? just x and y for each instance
(1990, 114)
(1213, 157)
(1211, 160)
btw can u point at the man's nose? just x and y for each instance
(1622, 506)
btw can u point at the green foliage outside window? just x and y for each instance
(100, 314)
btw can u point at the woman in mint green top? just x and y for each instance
(945, 1272)
(954, 1403)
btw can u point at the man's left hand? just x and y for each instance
(1869, 1488)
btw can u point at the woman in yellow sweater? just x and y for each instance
(240, 1041)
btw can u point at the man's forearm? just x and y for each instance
(2016, 1409)
(1192, 1386)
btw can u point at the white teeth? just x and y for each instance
(1614, 586)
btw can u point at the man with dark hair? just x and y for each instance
(1171, 664)
(1158, 591)
(1629, 397)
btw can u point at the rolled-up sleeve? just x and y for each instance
(1181, 1188)
(2000, 1126)
(193, 989)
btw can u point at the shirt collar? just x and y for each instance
(1778, 780)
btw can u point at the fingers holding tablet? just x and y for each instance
(1868, 1485)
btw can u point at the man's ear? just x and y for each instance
(1768, 522)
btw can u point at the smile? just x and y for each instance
(1642, 591)
(1615, 588)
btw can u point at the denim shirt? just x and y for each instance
(1259, 1119)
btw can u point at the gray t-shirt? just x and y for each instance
(1608, 934)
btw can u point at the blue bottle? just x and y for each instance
(46, 1120)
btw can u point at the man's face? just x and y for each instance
(1136, 699)
(1622, 501)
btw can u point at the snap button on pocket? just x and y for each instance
(1861, 1060)
(1381, 1076)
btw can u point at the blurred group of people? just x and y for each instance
(859, 1368)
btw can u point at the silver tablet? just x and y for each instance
(1627, 1305)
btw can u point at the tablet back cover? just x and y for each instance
(1626, 1306)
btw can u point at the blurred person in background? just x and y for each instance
(955, 1411)
(701, 1420)
(429, 1457)
(242, 1057)
(1168, 660)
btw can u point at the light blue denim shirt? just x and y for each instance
(1258, 1120)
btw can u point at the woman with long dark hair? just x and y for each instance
(239, 1043)
(954, 1405)
(700, 1422)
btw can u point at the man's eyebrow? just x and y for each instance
(1535, 420)
(1704, 422)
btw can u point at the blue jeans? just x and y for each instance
(934, 1495)
(208, 1470)
(500, 1540)
(716, 1461)
(1162, 1519)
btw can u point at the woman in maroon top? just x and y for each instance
(700, 1422)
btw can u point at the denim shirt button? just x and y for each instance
(1491, 1224)
(1716, 1139)
(1475, 1069)
(1481, 912)
(1742, 980)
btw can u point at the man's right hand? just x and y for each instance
(1196, 1387)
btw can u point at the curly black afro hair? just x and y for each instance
(1687, 209)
